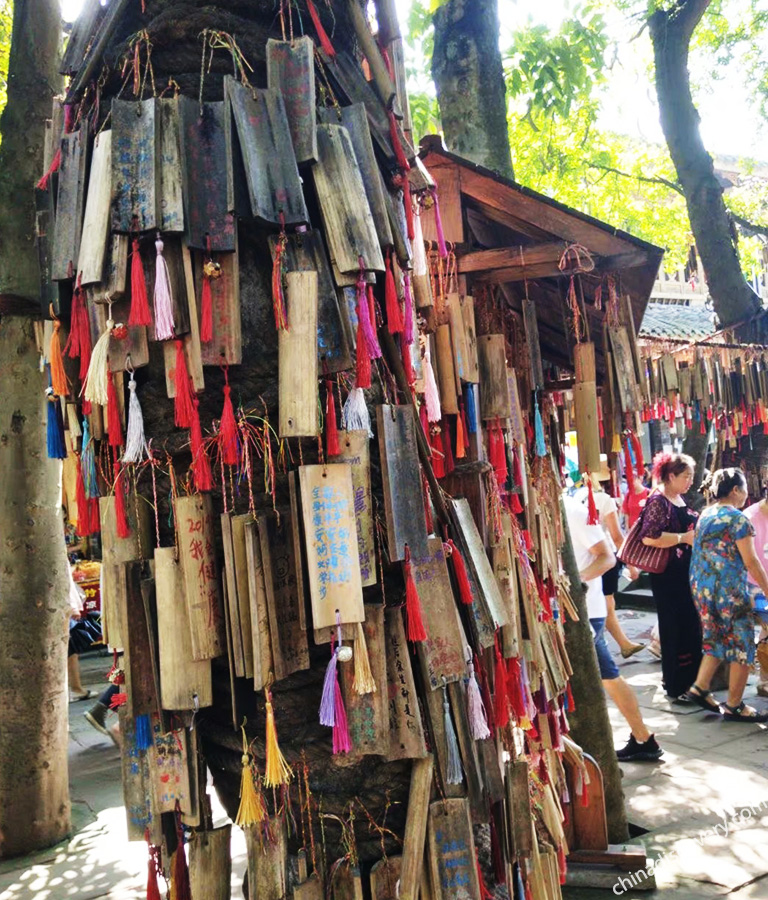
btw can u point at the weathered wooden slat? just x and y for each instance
(141, 686)
(170, 771)
(477, 559)
(449, 183)
(494, 390)
(257, 590)
(138, 796)
(446, 372)
(291, 72)
(385, 875)
(297, 358)
(587, 425)
(45, 219)
(170, 193)
(243, 598)
(210, 863)
(406, 729)
(519, 836)
(226, 346)
(629, 390)
(452, 851)
(355, 450)
(192, 347)
(414, 838)
(267, 860)
(401, 478)
(457, 695)
(93, 245)
(210, 226)
(344, 206)
(69, 205)
(135, 169)
(532, 342)
(264, 140)
(236, 632)
(393, 200)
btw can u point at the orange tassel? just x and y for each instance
(59, 381)
(414, 624)
(461, 451)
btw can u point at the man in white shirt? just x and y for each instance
(594, 556)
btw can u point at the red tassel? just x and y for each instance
(182, 889)
(79, 340)
(182, 407)
(402, 162)
(414, 624)
(114, 423)
(497, 453)
(325, 42)
(206, 310)
(139, 303)
(405, 354)
(517, 473)
(153, 891)
(571, 701)
(228, 430)
(460, 572)
(331, 432)
(485, 894)
(500, 696)
(527, 540)
(118, 700)
(95, 517)
(123, 528)
(593, 517)
(54, 167)
(362, 360)
(438, 457)
(201, 467)
(394, 314)
(515, 506)
(278, 297)
(562, 865)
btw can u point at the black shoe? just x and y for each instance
(634, 750)
(97, 716)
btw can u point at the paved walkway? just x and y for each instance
(704, 805)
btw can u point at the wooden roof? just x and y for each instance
(507, 234)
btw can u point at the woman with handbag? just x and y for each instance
(723, 554)
(666, 524)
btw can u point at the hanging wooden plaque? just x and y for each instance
(442, 654)
(401, 479)
(135, 166)
(305, 252)
(291, 72)
(45, 217)
(629, 390)
(93, 245)
(452, 851)
(448, 179)
(494, 391)
(139, 659)
(194, 527)
(345, 882)
(297, 356)
(209, 224)
(458, 338)
(170, 194)
(355, 450)
(284, 583)
(385, 875)
(446, 372)
(587, 425)
(477, 559)
(393, 200)
(344, 207)
(69, 205)
(267, 860)
(226, 346)
(516, 420)
(184, 683)
(170, 770)
(192, 346)
(406, 730)
(519, 834)
(210, 863)
(471, 365)
(328, 508)
(414, 837)
(237, 628)
(138, 796)
(257, 589)
(531, 325)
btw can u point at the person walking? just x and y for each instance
(757, 514)
(667, 522)
(723, 555)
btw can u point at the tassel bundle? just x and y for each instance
(153, 867)
(364, 682)
(181, 886)
(55, 429)
(276, 769)
(394, 315)
(593, 518)
(460, 573)
(139, 314)
(183, 408)
(471, 410)
(114, 422)
(95, 386)
(500, 694)
(441, 247)
(201, 467)
(405, 354)
(541, 446)
(354, 413)
(414, 623)
(478, 722)
(163, 297)
(497, 453)
(461, 450)
(228, 446)
(278, 294)
(211, 270)
(135, 441)
(79, 340)
(431, 395)
(59, 380)
(453, 770)
(251, 809)
(142, 738)
(332, 711)
(342, 743)
(362, 359)
(69, 124)
(331, 432)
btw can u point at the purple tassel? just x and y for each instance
(441, 248)
(163, 299)
(328, 701)
(408, 329)
(372, 342)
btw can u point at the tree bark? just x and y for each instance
(469, 78)
(671, 31)
(34, 790)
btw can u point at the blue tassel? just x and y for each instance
(541, 447)
(471, 409)
(88, 462)
(631, 453)
(55, 430)
(143, 733)
(519, 886)
(697, 408)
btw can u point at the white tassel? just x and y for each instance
(135, 442)
(431, 395)
(354, 413)
(97, 377)
(163, 297)
(453, 773)
(478, 722)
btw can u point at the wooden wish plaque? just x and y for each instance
(355, 450)
(170, 771)
(210, 863)
(406, 730)
(442, 654)
(267, 860)
(237, 599)
(385, 877)
(414, 856)
(138, 796)
(226, 345)
(139, 662)
(257, 590)
(171, 191)
(346, 883)
(266, 151)
(297, 358)
(135, 169)
(401, 477)
(494, 391)
(69, 205)
(330, 534)
(291, 72)
(284, 586)
(93, 246)
(197, 555)
(452, 851)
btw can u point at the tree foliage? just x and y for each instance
(6, 21)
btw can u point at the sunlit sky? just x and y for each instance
(730, 126)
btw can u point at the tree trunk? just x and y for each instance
(671, 32)
(34, 790)
(469, 78)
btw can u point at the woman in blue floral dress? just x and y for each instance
(723, 553)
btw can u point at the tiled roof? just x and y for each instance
(676, 321)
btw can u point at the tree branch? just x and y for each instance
(748, 226)
(686, 15)
(656, 179)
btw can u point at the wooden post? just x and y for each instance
(416, 828)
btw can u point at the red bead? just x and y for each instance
(120, 332)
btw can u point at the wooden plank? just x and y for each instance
(587, 426)
(458, 337)
(233, 604)
(519, 837)
(469, 750)
(401, 481)
(590, 827)
(93, 245)
(210, 225)
(184, 682)
(69, 205)
(135, 166)
(138, 797)
(532, 342)
(446, 373)
(449, 180)
(415, 834)
(516, 420)
(241, 579)
(226, 346)
(194, 527)
(141, 685)
(267, 860)
(328, 508)
(477, 558)
(170, 771)
(135, 344)
(629, 390)
(297, 356)
(210, 863)
(385, 875)
(346, 883)
(452, 851)
(344, 206)
(291, 72)
(257, 589)
(192, 346)
(170, 193)
(494, 390)
(355, 450)
(284, 587)
(512, 258)
(584, 361)
(406, 729)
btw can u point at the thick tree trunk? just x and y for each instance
(671, 32)
(469, 78)
(34, 791)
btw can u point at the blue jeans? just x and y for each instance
(608, 668)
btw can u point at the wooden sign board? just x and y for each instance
(264, 142)
(494, 390)
(401, 479)
(170, 770)
(459, 338)
(192, 346)
(291, 72)
(237, 630)
(355, 450)
(297, 356)
(328, 507)
(629, 390)
(414, 857)
(210, 863)
(446, 371)
(452, 851)
(171, 192)
(477, 559)
(69, 205)
(385, 875)
(587, 425)
(448, 180)
(471, 364)
(284, 585)
(141, 685)
(135, 169)
(519, 837)
(194, 527)
(343, 203)
(257, 591)
(531, 324)
(267, 860)
(442, 654)
(406, 729)
(183, 681)
(138, 796)
(226, 347)
(93, 245)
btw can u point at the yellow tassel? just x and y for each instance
(251, 809)
(616, 445)
(59, 380)
(277, 771)
(364, 682)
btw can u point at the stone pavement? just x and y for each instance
(704, 806)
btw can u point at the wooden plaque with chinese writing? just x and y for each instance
(355, 450)
(197, 555)
(226, 346)
(297, 358)
(406, 730)
(171, 196)
(494, 392)
(69, 205)
(330, 535)
(452, 851)
(170, 771)
(291, 72)
(401, 478)
(135, 169)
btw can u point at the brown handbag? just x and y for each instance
(633, 552)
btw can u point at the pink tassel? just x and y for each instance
(341, 740)
(431, 396)
(441, 248)
(364, 317)
(408, 318)
(163, 299)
